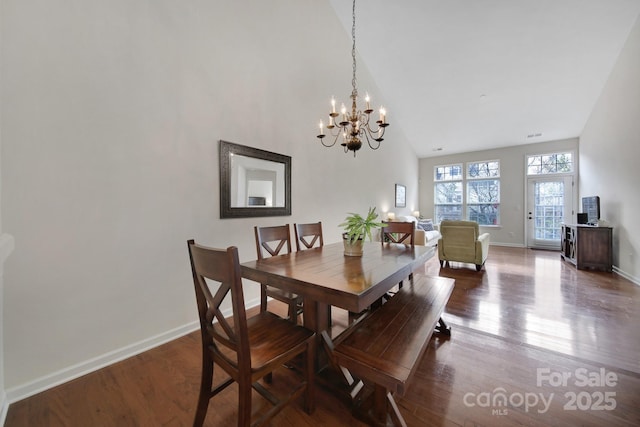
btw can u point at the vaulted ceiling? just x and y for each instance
(467, 75)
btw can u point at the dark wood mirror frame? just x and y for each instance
(226, 210)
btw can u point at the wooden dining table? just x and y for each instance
(325, 277)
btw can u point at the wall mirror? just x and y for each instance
(253, 182)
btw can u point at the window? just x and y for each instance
(480, 202)
(549, 210)
(483, 201)
(483, 195)
(448, 173)
(549, 164)
(448, 192)
(483, 169)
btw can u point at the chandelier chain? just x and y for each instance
(353, 50)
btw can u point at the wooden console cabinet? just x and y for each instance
(587, 246)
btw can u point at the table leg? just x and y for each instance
(380, 405)
(316, 319)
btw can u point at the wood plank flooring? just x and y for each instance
(527, 318)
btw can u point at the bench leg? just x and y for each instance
(383, 403)
(354, 385)
(396, 417)
(443, 328)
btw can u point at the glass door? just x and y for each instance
(549, 205)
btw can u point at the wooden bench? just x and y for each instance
(385, 348)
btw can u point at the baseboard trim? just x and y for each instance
(629, 277)
(506, 245)
(4, 405)
(62, 376)
(7, 245)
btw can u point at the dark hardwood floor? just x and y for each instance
(519, 327)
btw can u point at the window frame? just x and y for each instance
(466, 180)
(574, 164)
(451, 180)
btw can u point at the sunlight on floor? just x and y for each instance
(556, 335)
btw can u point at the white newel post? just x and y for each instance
(6, 247)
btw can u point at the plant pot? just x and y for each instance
(353, 249)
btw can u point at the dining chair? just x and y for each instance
(399, 232)
(308, 235)
(276, 240)
(246, 349)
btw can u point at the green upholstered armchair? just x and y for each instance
(461, 241)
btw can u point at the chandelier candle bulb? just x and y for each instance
(333, 105)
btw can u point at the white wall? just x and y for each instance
(6, 247)
(511, 231)
(610, 153)
(111, 113)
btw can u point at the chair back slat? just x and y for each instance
(308, 235)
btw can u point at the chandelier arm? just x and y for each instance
(335, 139)
(336, 131)
(376, 135)
(366, 135)
(364, 119)
(371, 131)
(380, 130)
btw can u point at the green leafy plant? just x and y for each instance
(358, 227)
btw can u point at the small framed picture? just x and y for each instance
(401, 196)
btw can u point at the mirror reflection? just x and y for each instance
(256, 182)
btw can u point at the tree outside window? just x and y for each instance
(550, 163)
(483, 195)
(448, 203)
(549, 206)
(483, 201)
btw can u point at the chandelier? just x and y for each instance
(354, 126)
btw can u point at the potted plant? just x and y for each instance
(356, 229)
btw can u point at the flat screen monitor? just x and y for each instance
(591, 206)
